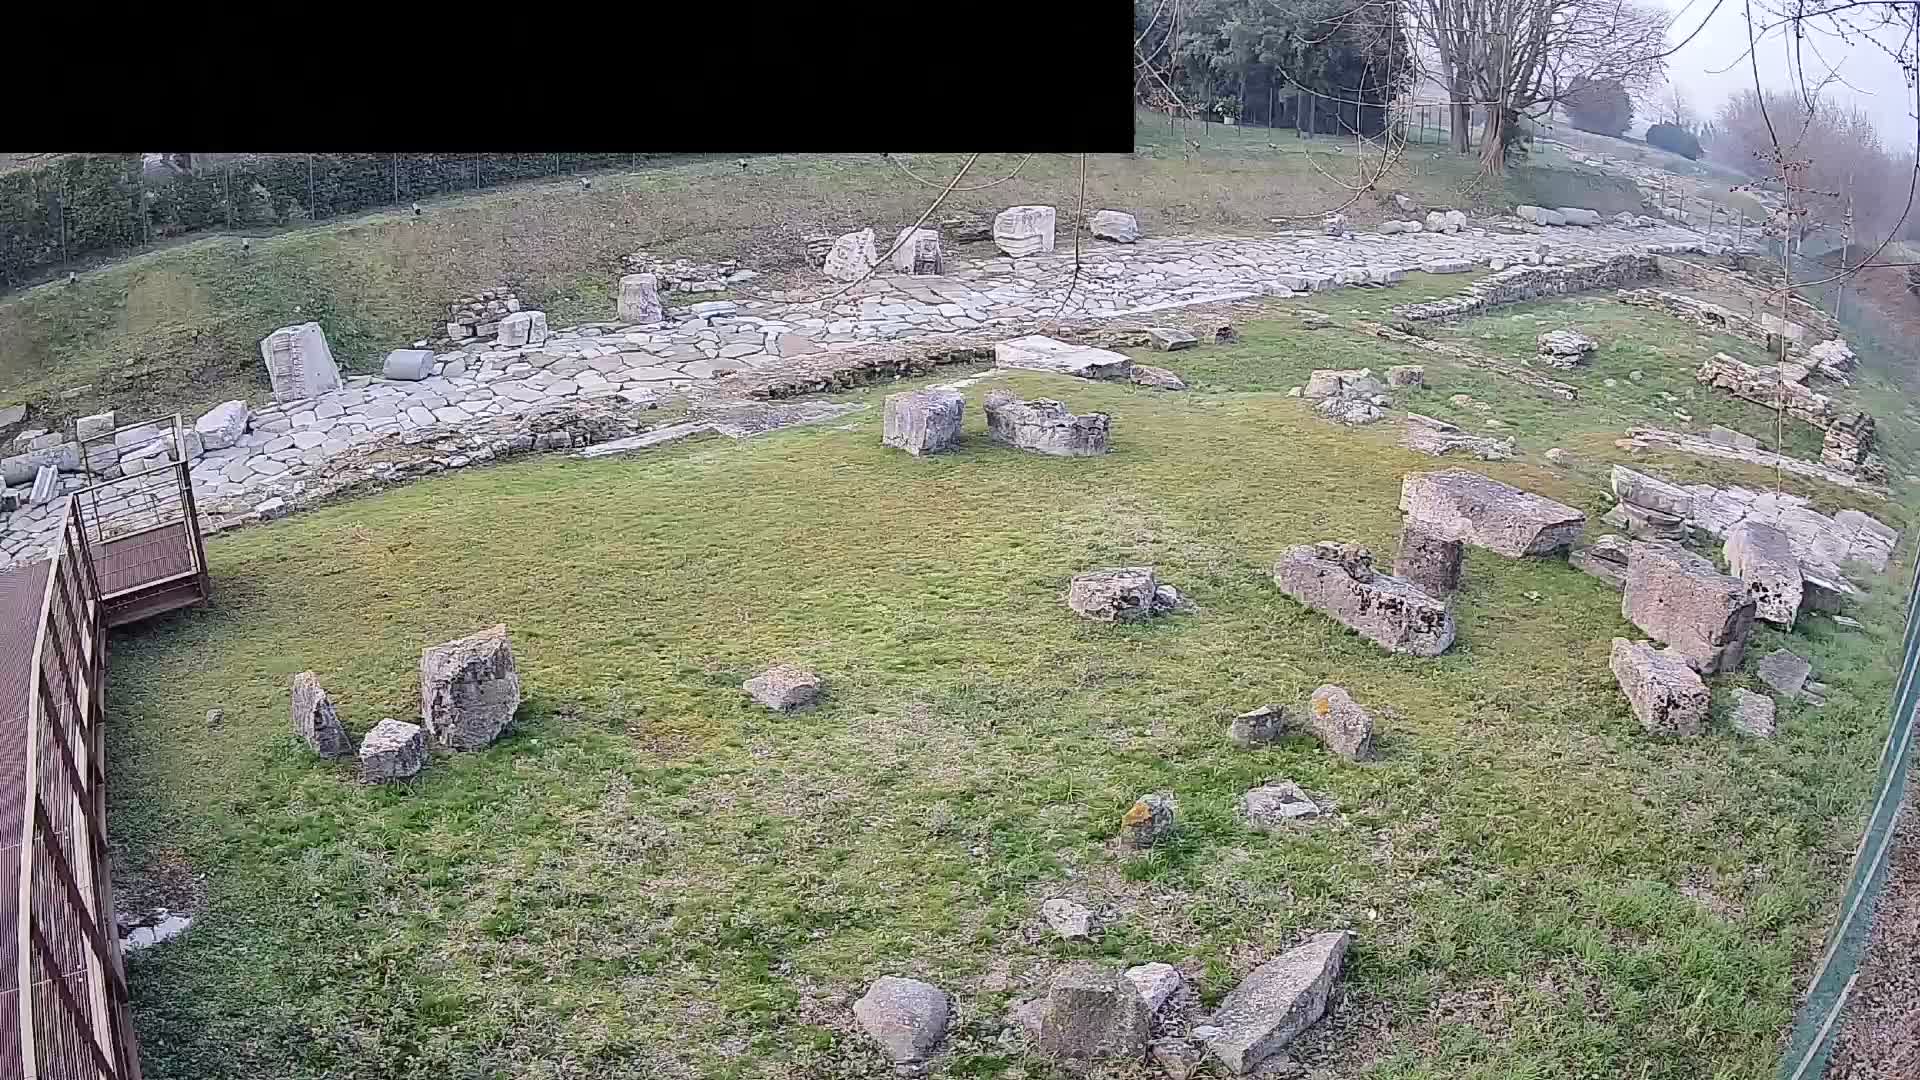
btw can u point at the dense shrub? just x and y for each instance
(1599, 105)
(1674, 139)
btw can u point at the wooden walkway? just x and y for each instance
(21, 592)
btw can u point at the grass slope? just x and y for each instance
(651, 878)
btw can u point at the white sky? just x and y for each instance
(1874, 81)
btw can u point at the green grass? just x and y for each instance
(652, 878)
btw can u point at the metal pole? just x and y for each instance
(396, 179)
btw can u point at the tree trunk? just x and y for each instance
(1493, 151)
(1462, 123)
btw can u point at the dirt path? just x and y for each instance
(1879, 1037)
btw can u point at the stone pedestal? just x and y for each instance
(299, 363)
(1024, 230)
(640, 299)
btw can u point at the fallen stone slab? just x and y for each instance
(1342, 383)
(647, 440)
(470, 689)
(1587, 561)
(1651, 493)
(314, 720)
(907, 1017)
(1274, 806)
(222, 425)
(1340, 723)
(1092, 1012)
(1429, 560)
(88, 428)
(1148, 821)
(1574, 215)
(1158, 378)
(1785, 672)
(1752, 714)
(393, 750)
(1564, 348)
(1115, 225)
(923, 422)
(783, 688)
(1662, 686)
(1170, 339)
(1391, 612)
(1438, 438)
(1352, 411)
(1119, 594)
(1070, 920)
(1157, 983)
(408, 365)
(1036, 352)
(1682, 601)
(46, 486)
(1020, 231)
(1276, 1002)
(1045, 426)
(852, 257)
(1763, 557)
(1468, 506)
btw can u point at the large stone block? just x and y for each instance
(523, 329)
(852, 257)
(1680, 600)
(1661, 685)
(408, 365)
(1652, 493)
(393, 750)
(640, 299)
(92, 427)
(1045, 426)
(1024, 230)
(1119, 594)
(469, 689)
(1465, 505)
(314, 720)
(907, 1017)
(1762, 556)
(917, 252)
(222, 425)
(1438, 438)
(1093, 1012)
(1276, 1002)
(1036, 352)
(299, 364)
(22, 468)
(925, 422)
(1391, 612)
(1342, 383)
(1115, 225)
(1429, 559)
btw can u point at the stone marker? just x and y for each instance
(852, 257)
(1158, 378)
(1271, 807)
(1763, 557)
(1024, 230)
(1785, 672)
(523, 329)
(917, 252)
(1114, 225)
(1340, 723)
(1071, 921)
(1276, 1002)
(1045, 426)
(907, 1017)
(222, 425)
(1342, 383)
(1391, 612)
(923, 422)
(1092, 1012)
(46, 486)
(408, 365)
(640, 300)
(1263, 726)
(314, 720)
(1664, 690)
(1170, 339)
(393, 750)
(1437, 438)
(1752, 714)
(1157, 983)
(469, 689)
(1484, 512)
(1148, 821)
(783, 688)
(1428, 559)
(92, 427)
(1679, 599)
(299, 364)
(1036, 352)
(1403, 375)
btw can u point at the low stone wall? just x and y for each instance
(1523, 283)
(1760, 303)
(1764, 386)
(1761, 330)
(479, 316)
(828, 372)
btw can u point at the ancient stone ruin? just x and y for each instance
(469, 689)
(314, 720)
(1763, 557)
(1438, 438)
(406, 365)
(1466, 505)
(1338, 580)
(393, 750)
(1766, 386)
(1429, 559)
(1605, 558)
(852, 257)
(1275, 1003)
(522, 329)
(1045, 426)
(1036, 352)
(925, 422)
(917, 252)
(1663, 688)
(783, 688)
(1020, 231)
(639, 302)
(1114, 225)
(479, 316)
(299, 364)
(1679, 599)
(1120, 594)
(1565, 348)
(907, 1017)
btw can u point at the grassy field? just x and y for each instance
(179, 328)
(652, 878)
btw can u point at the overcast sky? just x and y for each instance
(1713, 66)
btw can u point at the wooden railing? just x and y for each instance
(74, 1020)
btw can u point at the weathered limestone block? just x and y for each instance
(46, 485)
(469, 689)
(1391, 612)
(1680, 600)
(1763, 557)
(1072, 921)
(783, 688)
(1833, 359)
(640, 299)
(1664, 690)
(1045, 426)
(1404, 375)
(1036, 352)
(1752, 714)
(1765, 386)
(907, 1017)
(1115, 225)
(1437, 438)
(1148, 821)
(523, 329)
(1157, 377)
(1170, 339)
(1652, 493)
(1119, 594)
(1351, 410)
(92, 427)
(917, 252)
(1574, 215)
(1024, 230)
(1263, 726)
(1347, 383)
(1276, 1002)
(408, 365)
(314, 720)
(925, 422)
(1487, 513)
(1564, 348)
(1428, 559)
(852, 257)
(1092, 1012)
(1340, 723)
(393, 750)
(222, 425)
(1785, 672)
(299, 364)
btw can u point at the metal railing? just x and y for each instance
(74, 1020)
(153, 490)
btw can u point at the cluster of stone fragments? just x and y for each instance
(1018, 231)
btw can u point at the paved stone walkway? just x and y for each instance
(979, 300)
